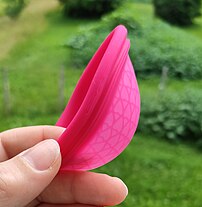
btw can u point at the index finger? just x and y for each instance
(14, 141)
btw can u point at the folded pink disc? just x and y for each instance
(103, 112)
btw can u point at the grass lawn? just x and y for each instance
(196, 29)
(15, 31)
(2, 5)
(157, 173)
(34, 66)
(141, 8)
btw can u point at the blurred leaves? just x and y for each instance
(173, 115)
(179, 12)
(154, 44)
(88, 8)
(14, 7)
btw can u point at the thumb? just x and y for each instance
(25, 176)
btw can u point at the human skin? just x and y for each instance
(29, 163)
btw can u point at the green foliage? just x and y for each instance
(173, 115)
(154, 44)
(180, 12)
(162, 45)
(157, 173)
(14, 7)
(109, 22)
(81, 44)
(88, 8)
(140, 1)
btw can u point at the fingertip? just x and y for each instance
(114, 190)
(52, 131)
(122, 186)
(121, 191)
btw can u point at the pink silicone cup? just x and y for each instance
(103, 112)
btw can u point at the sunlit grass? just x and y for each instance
(148, 10)
(34, 66)
(196, 29)
(2, 6)
(30, 22)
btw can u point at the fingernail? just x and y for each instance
(42, 156)
(123, 184)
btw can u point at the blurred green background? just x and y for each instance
(44, 47)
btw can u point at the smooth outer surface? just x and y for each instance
(103, 112)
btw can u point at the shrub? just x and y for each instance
(81, 45)
(154, 44)
(180, 12)
(88, 8)
(14, 7)
(173, 116)
(163, 45)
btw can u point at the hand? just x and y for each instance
(29, 163)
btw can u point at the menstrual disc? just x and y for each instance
(103, 112)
